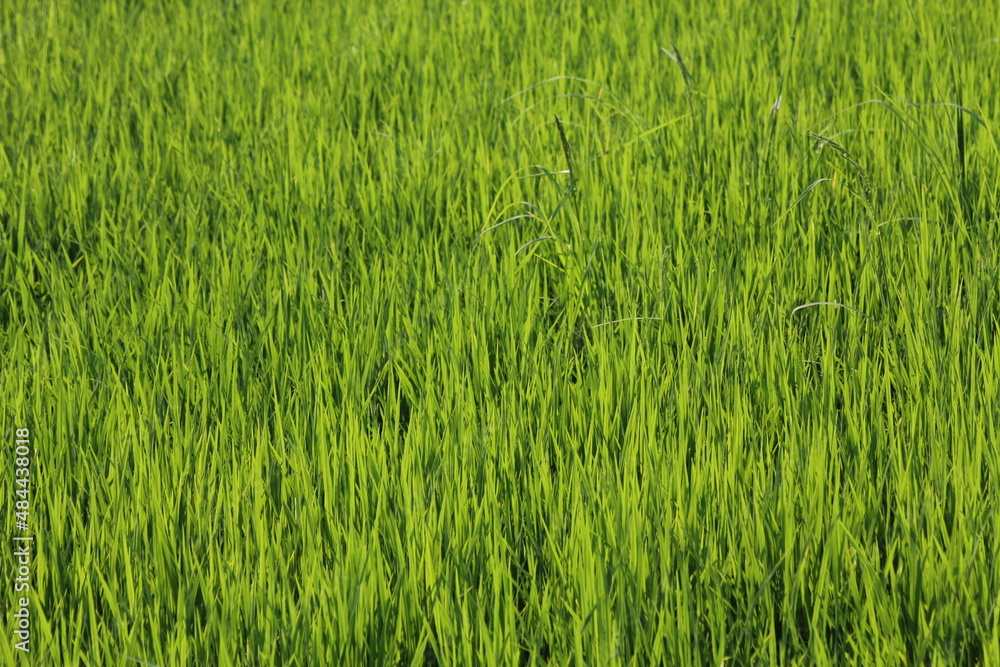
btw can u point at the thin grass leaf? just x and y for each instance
(504, 222)
(803, 194)
(564, 77)
(828, 303)
(627, 319)
(529, 243)
(952, 105)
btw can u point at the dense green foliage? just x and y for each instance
(337, 349)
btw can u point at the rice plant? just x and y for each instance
(460, 333)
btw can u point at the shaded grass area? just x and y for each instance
(459, 334)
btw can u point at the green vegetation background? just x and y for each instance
(293, 405)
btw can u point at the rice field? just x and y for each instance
(468, 333)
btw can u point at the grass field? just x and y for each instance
(463, 333)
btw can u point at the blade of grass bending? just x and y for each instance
(550, 174)
(543, 172)
(802, 196)
(141, 662)
(615, 110)
(861, 104)
(939, 104)
(883, 224)
(627, 319)
(565, 77)
(507, 181)
(503, 222)
(828, 303)
(562, 202)
(939, 162)
(638, 137)
(538, 240)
